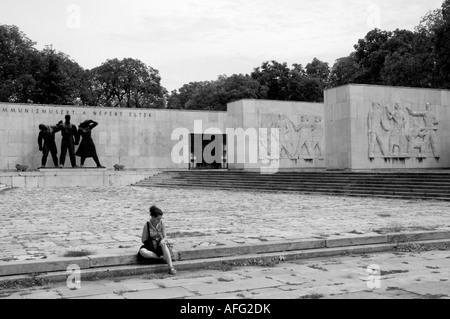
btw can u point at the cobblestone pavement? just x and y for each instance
(397, 275)
(44, 223)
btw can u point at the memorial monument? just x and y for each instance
(358, 127)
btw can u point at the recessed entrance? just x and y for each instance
(208, 151)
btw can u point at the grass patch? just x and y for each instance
(78, 253)
(263, 262)
(312, 296)
(9, 259)
(391, 272)
(160, 284)
(392, 229)
(426, 228)
(122, 292)
(432, 296)
(23, 283)
(185, 234)
(317, 267)
(399, 228)
(357, 232)
(417, 248)
(154, 276)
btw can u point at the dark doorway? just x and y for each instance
(208, 151)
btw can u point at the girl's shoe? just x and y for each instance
(172, 271)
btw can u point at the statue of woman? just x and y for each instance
(87, 146)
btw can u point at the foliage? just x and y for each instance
(442, 44)
(419, 58)
(50, 77)
(215, 95)
(272, 80)
(59, 80)
(127, 83)
(296, 84)
(18, 62)
(345, 70)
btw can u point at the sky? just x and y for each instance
(197, 40)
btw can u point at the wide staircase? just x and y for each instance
(411, 185)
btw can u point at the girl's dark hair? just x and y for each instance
(155, 211)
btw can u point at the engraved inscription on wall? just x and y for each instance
(300, 136)
(400, 132)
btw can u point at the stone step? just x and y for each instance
(444, 173)
(387, 185)
(305, 247)
(301, 183)
(312, 178)
(332, 183)
(397, 195)
(337, 179)
(344, 248)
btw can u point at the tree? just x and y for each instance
(400, 57)
(127, 83)
(318, 69)
(215, 95)
(179, 99)
(274, 78)
(370, 54)
(345, 70)
(296, 84)
(237, 87)
(442, 44)
(410, 61)
(60, 80)
(430, 22)
(18, 62)
(305, 88)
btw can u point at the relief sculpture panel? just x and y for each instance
(399, 132)
(300, 137)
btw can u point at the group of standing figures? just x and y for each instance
(70, 137)
(405, 135)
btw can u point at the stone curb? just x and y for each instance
(305, 247)
(218, 262)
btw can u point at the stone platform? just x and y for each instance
(73, 177)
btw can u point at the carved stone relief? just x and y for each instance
(301, 138)
(394, 133)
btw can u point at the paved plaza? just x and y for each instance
(400, 275)
(46, 223)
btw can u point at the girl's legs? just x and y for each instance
(82, 161)
(167, 256)
(148, 254)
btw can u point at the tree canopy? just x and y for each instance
(418, 58)
(50, 77)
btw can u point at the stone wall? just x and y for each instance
(74, 178)
(371, 127)
(301, 137)
(136, 138)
